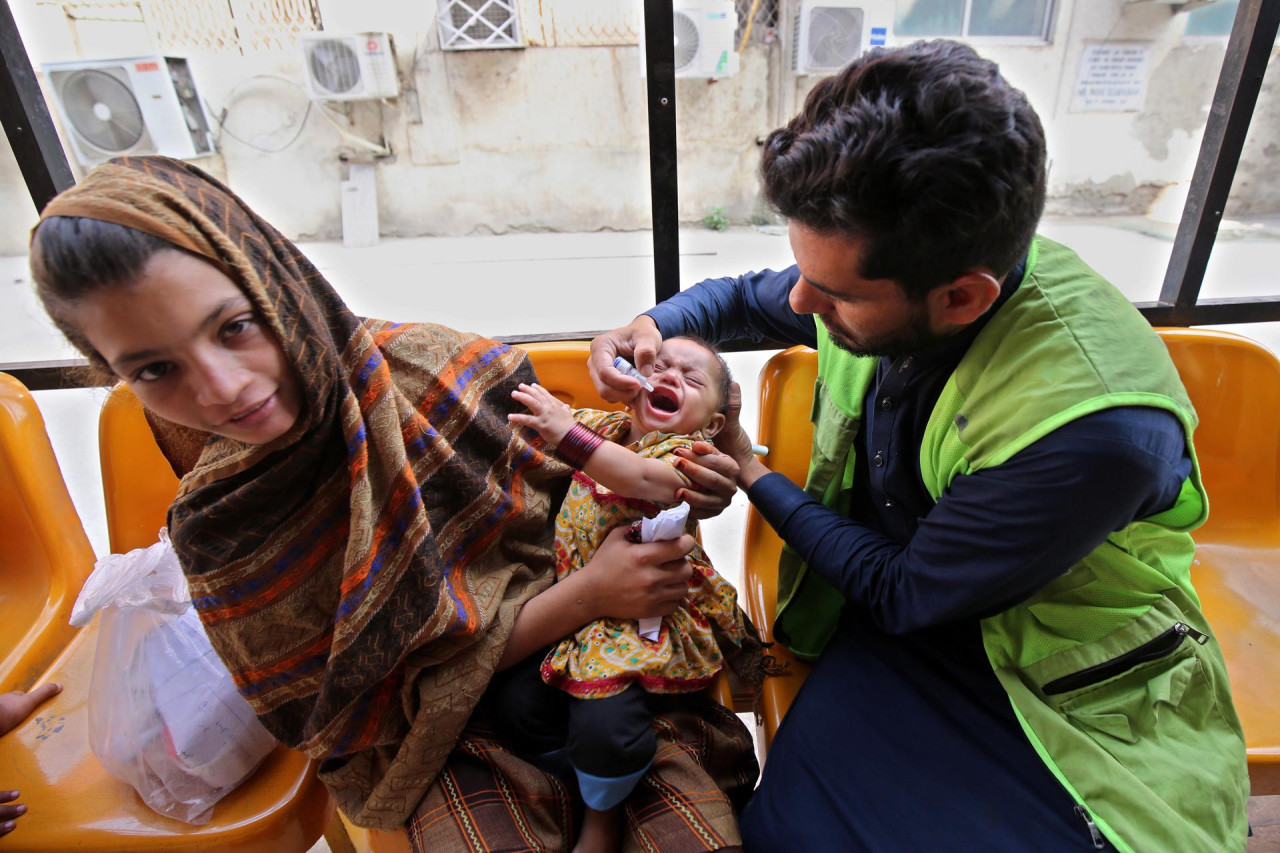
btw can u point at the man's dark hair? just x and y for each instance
(925, 154)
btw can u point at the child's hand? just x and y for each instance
(551, 418)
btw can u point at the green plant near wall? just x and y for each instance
(716, 220)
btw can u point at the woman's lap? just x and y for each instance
(487, 799)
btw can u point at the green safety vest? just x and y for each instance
(1112, 669)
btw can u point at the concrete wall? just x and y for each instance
(555, 138)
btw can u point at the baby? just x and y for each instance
(600, 717)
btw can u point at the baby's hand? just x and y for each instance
(551, 418)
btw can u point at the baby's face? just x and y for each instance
(686, 391)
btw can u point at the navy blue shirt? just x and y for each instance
(901, 737)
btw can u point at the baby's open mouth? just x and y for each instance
(664, 400)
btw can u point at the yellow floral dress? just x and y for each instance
(605, 657)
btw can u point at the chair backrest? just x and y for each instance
(137, 482)
(1234, 383)
(786, 398)
(44, 553)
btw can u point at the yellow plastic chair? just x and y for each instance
(1234, 384)
(786, 397)
(73, 803)
(44, 553)
(137, 482)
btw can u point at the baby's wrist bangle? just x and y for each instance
(577, 446)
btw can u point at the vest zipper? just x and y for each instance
(1095, 834)
(1163, 644)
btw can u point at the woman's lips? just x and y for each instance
(255, 415)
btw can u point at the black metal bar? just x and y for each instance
(71, 373)
(1252, 35)
(26, 119)
(1213, 312)
(660, 68)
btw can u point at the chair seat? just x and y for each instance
(75, 805)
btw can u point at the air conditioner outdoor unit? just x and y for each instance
(135, 105)
(829, 34)
(704, 31)
(478, 24)
(349, 67)
(704, 38)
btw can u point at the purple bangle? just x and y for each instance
(577, 446)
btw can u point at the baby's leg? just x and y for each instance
(611, 744)
(531, 716)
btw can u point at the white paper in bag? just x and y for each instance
(668, 524)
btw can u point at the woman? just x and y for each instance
(365, 538)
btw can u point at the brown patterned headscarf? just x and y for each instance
(360, 575)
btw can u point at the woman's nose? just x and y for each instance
(219, 381)
(805, 300)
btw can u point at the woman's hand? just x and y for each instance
(626, 580)
(551, 418)
(623, 580)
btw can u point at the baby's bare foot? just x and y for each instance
(601, 832)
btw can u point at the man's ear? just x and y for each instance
(714, 426)
(963, 300)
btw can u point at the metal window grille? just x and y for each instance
(761, 16)
(478, 24)
(590, 23)
(582, 23)
(206, 25)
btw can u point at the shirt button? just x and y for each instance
(878, 459)
(905, 365)
(888, 501)
(886, 403)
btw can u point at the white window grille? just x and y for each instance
(594, 23)
(478, 24)
(205, 25)
(1013, 21)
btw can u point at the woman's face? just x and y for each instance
(191, 346)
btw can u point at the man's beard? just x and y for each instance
(913, 338)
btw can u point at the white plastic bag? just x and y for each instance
(668, 524)
(164, 713)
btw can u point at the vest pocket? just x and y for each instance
(1153, 709)
(1164, 644)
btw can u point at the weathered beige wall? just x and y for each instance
(555, 138)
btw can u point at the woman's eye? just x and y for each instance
(153, 371)
(237, 326)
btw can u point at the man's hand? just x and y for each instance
(713, 476)
(17, 706)
(551, 418)
(734, 441)
(637, 342)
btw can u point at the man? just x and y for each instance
(990, 561)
